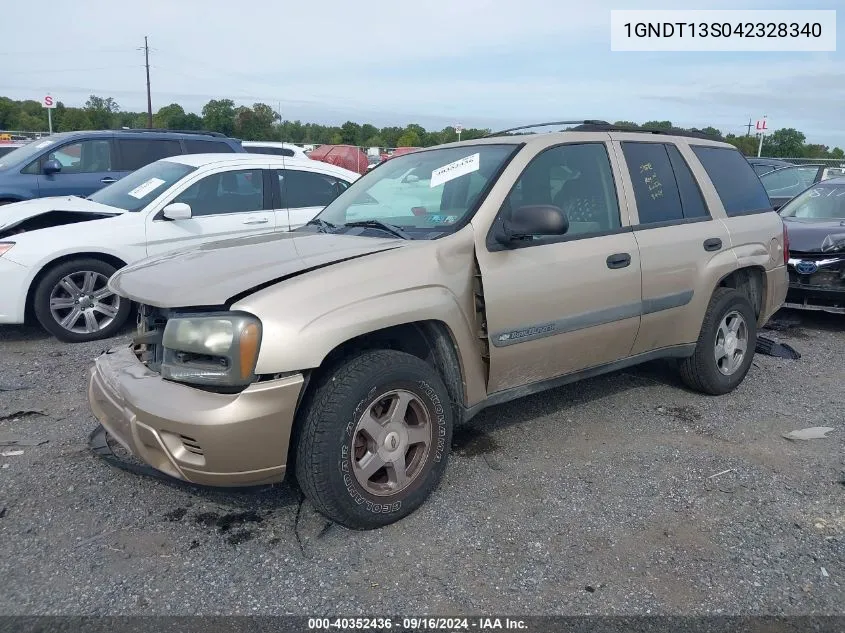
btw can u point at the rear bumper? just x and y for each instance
(13, 289)
(777, 283)
(206, 438)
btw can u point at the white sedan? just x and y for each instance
(57, 254)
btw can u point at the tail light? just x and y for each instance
(785, 244)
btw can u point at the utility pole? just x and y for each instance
(149, 98)
(748, 133)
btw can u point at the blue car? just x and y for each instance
(80, 163)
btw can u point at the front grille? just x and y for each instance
(817, 270)
(147, 342)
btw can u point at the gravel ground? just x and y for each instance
(600, 497)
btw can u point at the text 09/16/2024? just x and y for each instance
(729, 30)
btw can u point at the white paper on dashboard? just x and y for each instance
(143, 189)
(454, 170)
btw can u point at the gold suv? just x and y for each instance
(443, 281)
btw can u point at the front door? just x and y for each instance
(230, 203)
(87, 167)
(559, 305)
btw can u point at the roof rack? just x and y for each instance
(526, 127)
(160, 130)
(596, 126)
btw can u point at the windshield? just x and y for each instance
(789, 181)
(26, 153)
(424, 193)
(139, 188)
(822, 202)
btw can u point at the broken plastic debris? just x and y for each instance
(824, 573)
(11, 452)
(23, 442)
(772, 348)
(811, 433)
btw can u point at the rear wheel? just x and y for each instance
(725, 347)
(374, 440)
(74, 303)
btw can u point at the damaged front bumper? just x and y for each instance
(198, 436)
(817, 282)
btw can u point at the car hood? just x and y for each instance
(218, 273)
(816, 236)
(14, 214)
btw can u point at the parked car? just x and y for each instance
(815, 221)
(55, 269)
(7, 147)
(349, 348)
(276, 149)
(80, 163)
(765, 165)
(787, 182)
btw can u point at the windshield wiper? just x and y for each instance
(384, 226)
(325, 227)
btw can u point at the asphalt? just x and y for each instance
(624, 494)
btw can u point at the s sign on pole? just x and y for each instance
(49, 102)
(761, 130)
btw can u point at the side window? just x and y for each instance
(85, 157)
(578, 179)
(194, 146)
(789, 181)
(308, 189)
(738, 186)
(135, 153)
(655, 187)
(692, 199)
(226, 192)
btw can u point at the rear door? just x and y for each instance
(224, 204)
(303, 195)
(679, 241)
(557, 305)
(134, 153)
(87, 166)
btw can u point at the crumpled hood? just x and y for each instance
(212, 274)
(816, 236)
(17, 212)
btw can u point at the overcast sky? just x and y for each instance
(480, 63)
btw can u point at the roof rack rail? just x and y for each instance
(159, 130)
(526, 127)
(595, 126)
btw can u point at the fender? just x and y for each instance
(307, 347)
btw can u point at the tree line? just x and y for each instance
(262, 122)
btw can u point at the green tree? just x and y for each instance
(170, 117)
(374, 141)
(784, 143)
(256, 123)
(629, 124)
(658, 125)
(815, 151)
(837, 153)
(75, 119)
(408, 139)
(101, 112)
(350, 133)
(745, 144)
(218, 115)
(391, 135)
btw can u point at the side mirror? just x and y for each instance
(177, 211)
(51, 167)
(536, 219)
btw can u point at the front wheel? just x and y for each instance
(73, 302)
(375, 438)
(726, 344)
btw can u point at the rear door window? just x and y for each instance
(196, 146)
(137, 152)
(737, 184)
(692, 200)
(239, 191)
(655, 187)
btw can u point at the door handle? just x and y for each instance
(713, 244)
(108, 180)
(256, 221)
(619, 260)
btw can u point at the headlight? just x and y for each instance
(5, 247)
(211, 349)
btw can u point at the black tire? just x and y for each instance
(700, 371)
(325, 442)
(41, 301)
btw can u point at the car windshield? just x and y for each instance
(822, 202)
(26, 153)
(426, 193)
(139, 188)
